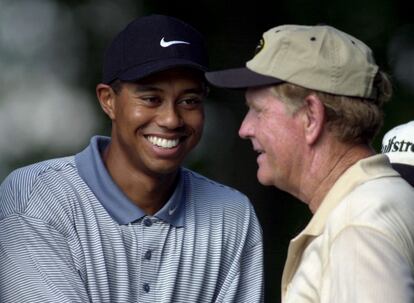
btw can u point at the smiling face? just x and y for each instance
(157, 121)
(276, 135)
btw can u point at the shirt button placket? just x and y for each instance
(147, 270)
(147, 222)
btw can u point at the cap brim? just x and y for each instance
(150, 68)
(240, 78)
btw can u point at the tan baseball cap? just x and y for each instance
(317, 57)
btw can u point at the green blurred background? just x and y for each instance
(50, 58)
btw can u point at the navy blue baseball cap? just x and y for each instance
(152, 44)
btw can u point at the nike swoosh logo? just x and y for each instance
(171, 211)
(164, 43)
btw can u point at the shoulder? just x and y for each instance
(384, 194)
(201, 186)
(208, 199)
(18, 187)
(385, 205)
(221, 210)
(211, 196)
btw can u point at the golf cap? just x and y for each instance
(152, 44)
(319, 57)
(398, 145)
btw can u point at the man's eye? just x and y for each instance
(150, 99)
(190, 101)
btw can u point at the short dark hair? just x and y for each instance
(116, 86)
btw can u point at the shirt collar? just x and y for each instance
(367, 169)
(94, 173)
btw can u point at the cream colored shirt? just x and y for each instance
(359, 245)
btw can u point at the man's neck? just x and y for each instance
(334, 164)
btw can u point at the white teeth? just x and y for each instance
(162, 142)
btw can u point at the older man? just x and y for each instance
(315, 95)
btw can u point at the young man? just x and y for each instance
(122, 221)
(398, 145)
(315, 95)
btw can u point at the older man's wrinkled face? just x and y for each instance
(277, 136)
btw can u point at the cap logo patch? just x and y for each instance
(259, 47)
(164, 43)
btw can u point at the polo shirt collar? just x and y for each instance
(94, 173)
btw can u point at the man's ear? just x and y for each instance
(314, 119)
(106, 97)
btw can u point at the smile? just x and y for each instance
(162, 142)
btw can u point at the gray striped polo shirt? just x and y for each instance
(69, 234)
